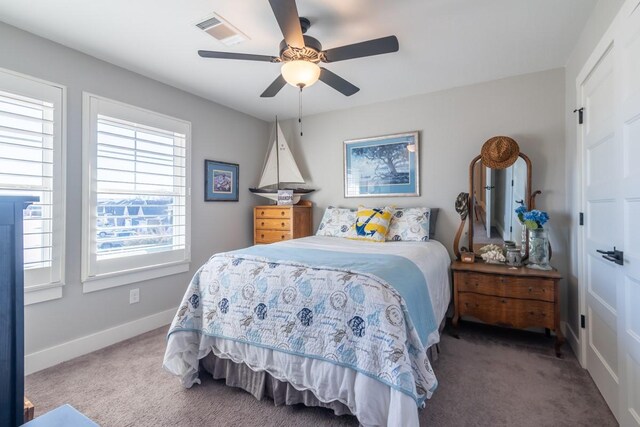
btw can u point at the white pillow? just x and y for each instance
(336, 222)
(409, 225)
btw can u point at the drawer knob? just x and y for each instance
(502, 280)
(262, 213)
(282, 237)
(282, 213)
(283, 224)
(530, 289)
(262, 236)
(262, 223)
(504, 301)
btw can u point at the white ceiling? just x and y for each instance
(443, 43)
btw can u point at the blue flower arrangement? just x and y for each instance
(533, 219)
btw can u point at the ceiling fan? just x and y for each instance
(300, 54)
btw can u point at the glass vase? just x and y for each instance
(539, 249)
(523, 242)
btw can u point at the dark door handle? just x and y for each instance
(605, 252)
(489, 187)
(613, 256)
(520, 202)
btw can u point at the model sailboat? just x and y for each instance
(280, 170)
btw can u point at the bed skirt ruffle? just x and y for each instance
(261, 384)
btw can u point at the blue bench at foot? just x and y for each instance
(62, 416)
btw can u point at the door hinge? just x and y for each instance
(580, 112)
(512, 183)
(510, 229)
(583, 321)
(581, 218)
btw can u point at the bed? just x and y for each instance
(323, 321)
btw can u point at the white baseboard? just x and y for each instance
(572, 339)
(51, 356)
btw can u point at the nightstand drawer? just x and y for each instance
(273, 213)
(506, 286)
(271, 236)
(516, 313)
(273, 224)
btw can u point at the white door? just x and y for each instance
(610, 94)
(488, 205)
(628, 76)
(602, 206)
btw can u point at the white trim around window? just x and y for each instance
(33, 153)
(136, 194)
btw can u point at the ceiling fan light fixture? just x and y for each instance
(300, 73)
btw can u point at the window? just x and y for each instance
(136, 194)
(31, 163)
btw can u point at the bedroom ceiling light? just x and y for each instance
(300, 73)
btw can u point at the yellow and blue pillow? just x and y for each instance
(371, 224)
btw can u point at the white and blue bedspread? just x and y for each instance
(370, 312)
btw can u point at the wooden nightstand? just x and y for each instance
(274, 223)
(514, 297)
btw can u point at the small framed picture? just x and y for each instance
(221, 181)
(382, 166)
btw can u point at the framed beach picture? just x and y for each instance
(220, 181)
(382, 166)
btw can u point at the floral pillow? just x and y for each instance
(410, 224)
(336, 222)
(371, 224)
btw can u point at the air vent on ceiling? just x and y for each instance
(221, 30)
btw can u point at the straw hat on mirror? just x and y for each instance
(499, 152)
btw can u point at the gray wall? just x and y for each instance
(453, 125)
(600, 19)
(218, 133)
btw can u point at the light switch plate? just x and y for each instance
(134, 296)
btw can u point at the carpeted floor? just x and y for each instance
(489, 377)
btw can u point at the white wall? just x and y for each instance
(600, 19)
(218, 133)
(453, 125)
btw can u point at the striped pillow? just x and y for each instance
(371, 224)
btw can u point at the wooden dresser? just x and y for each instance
(274, 223)
(514, 297)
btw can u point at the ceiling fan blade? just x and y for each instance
(358, 50)
(337, 82)
(286, 14)
(274, 87)
(231, 55)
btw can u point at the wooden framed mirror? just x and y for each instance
(494, 194)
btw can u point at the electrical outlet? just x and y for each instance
(134, 296)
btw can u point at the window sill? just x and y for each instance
(35, 296)
(98, 283)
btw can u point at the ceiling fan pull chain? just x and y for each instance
(300, 109)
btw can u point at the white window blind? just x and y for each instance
(31, 164)
(138, 190)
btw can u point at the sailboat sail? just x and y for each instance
(280, 165)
